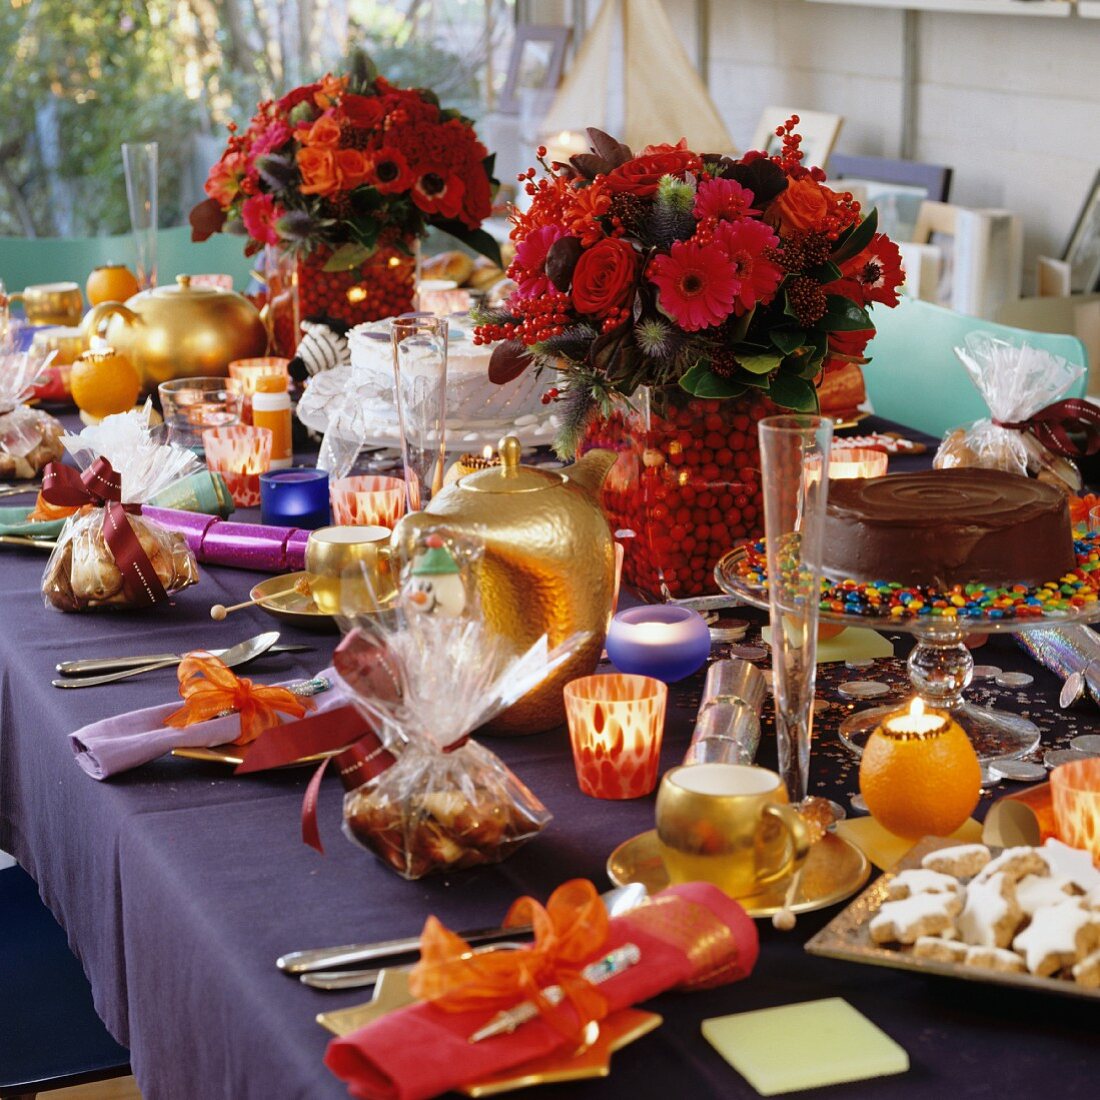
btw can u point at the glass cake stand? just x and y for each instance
(940, 666)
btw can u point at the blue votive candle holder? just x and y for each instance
(659, 640)
(295, 497)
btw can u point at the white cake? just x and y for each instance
(472, 400)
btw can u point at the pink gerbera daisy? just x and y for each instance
(259, 214)
(721, 198)
(529, 267)
(695, 283)
(745, 244)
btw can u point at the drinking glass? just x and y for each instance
(794, 455)
(139, 160)
(5, 318)
(420, 386)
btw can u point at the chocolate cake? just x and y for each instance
(944, 527)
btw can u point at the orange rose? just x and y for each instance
(318, 167)
(802, 206)
(331, 89)
(325, 131)
(351, 168)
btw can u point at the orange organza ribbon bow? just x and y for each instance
(568, 934)
(209, 688)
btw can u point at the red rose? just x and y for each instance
(641, 175)
(364, 111)
(848, 347)
(604, 277)
(298, 95)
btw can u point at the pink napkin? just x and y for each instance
(126, 741)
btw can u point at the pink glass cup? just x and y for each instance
(852, 462)
(1075, 792)
(616, 725)
(240, 454)
(368, 501)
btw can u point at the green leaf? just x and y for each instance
(700, 382)
(348, 256)
(843, 315)
(760, 364)
(477, 239)
(827, 273)
(856, 240)
(788, 340)
(791, 392)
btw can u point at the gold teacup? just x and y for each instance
(51, 304)
(67, 343)
(351, 570)
(731, 825)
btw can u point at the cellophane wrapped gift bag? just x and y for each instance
(429, 673)
(29, 438)
(108, 554)
(1017, 382)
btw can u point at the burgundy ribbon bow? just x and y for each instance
(100, 486)
(1052, 425)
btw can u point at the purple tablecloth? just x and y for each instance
(179, 885)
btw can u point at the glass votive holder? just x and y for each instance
(191, 405)
(616, 724)
(295, 497)
(248, 372)
(216, 280)
(240, 454)
(659, 640)
(851, 462)
(368, 501)
(1075, 791)
(1094, 520)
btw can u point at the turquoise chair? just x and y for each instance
(25, 261)
(916, 379)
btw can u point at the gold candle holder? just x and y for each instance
(471, 463)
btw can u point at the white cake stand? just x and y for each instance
(940, 666)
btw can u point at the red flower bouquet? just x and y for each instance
(346, 169)
(679, 297)
(726, 278)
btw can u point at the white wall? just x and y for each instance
(1012, 103)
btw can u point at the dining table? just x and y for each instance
(179, 883)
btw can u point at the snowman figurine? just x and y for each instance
(435, 585)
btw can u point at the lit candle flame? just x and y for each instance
(487, 452)
(916, 708)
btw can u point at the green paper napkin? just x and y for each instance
(804, 1046)
(854, 643)
(13, 521)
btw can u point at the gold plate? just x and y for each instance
(834, 870)
(847, 937)
(278, 597)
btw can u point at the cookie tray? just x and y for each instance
(847, 937)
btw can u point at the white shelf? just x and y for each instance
(1088, 9)
(1051, 9)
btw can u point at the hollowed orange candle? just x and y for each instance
(240, 454)
(616, 724)
(368, 501)
(1076, 791)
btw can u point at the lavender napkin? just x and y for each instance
(126, 741)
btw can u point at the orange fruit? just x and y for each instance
(111, 283)
(104, 382)
(920, 783)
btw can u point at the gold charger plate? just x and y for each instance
(847, 937)
(234, 755)
(834, 870)
(279, 598)
(843, 422)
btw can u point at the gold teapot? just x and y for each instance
(548, 566)
(180, 331)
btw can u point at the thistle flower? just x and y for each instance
(655, 338)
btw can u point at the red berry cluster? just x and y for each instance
(382, 286)
(539, 318)
(807, 298)
(689, 488)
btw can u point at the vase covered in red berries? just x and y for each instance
(344, 176)
(673, 298)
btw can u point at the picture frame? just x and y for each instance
(536, 62)
(1082, 251)
(819, 130)
(895, 188)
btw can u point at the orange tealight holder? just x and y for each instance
(248, 372)
(1076, 793)
(368, 501)
(616, 725)
(851, 462)
(240, 454)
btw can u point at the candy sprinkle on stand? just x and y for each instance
(891, 600)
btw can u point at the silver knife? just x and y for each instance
(620, 899)
(111, 664)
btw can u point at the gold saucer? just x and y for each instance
(234, 754)
(279, 598)
(834, 870)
